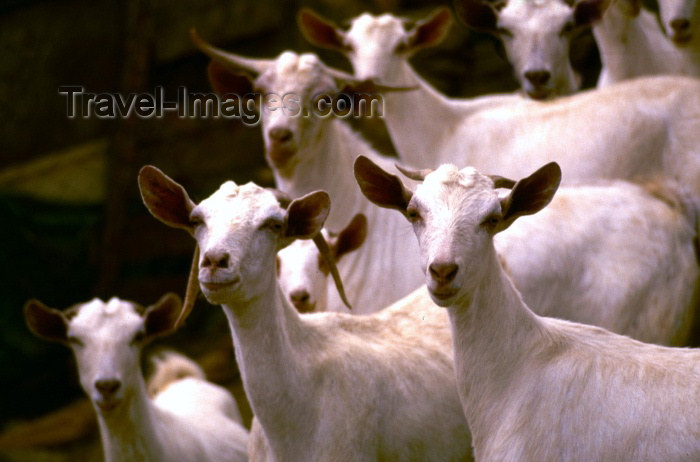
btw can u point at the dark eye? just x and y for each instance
(138, 338)
(196, 220)
(74, 341)
(568, 28)
(491, 220)
(504, 32)
(412, 214)
(273, 224)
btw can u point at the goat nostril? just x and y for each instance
(680, 25)
(300, 296)
(538, 78)
(443, 272)
(281, 135)
(108, 386)
(223, 262)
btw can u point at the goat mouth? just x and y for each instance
(304, 307)
(281, 153)
(220, 285)
(107, 405)
(681, 39)
(539, 94)
(443, 294)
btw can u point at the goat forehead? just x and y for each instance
(233, 203)
(115, 315)
(294, 72)
(455, 190)
(366, 26)
(535, 13)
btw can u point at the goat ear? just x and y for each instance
(531, 194)
(351, 237)
(477, 14)
(164, 198)
(320, 31)
(429, 32)
(47, 323)
(223, 81)
(161, 318)
(589, 11)
(380, 187)
(306, 215)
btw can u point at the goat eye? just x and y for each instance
(412, 214)
(196, 221)
(504, 32)
(491, 220)
(568, 28)
(138, 338)
(273, 224)
(74, 341)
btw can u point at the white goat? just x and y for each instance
(537, 35)
(189, 419)
(303, 273)
(322, 386)
(623, 258)
(536, 388)
(315, 152)
(641, 127)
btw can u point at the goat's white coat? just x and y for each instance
(536, 388)
(325, 386)
(641, 127)
(610, 254)
(190, 421)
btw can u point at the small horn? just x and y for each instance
(191, 291)
(230, 61)
(502, 182)
(325, 252)
(417, 175)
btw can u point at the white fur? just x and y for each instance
(190, 420)
(536, 388)
(325, 386)
(609, 254)
(640, 127)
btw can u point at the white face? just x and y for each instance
(451, 212)
(300, 276)
(536, 35)
(106, 339)
(680, 20)
(239, 231)
(291, 84)
(374, 45)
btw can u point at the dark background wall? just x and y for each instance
(73, 226)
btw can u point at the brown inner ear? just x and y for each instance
(380, 187)
(319, 31)
(45, 322)
(431, 31)
(477, 14)
(223, 81)
(589, 11)
(350, 238)
(306, 215)
(161, 318)
(164, 198)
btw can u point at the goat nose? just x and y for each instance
(538, 78)
(443, 273)
(299, 296)
(680, 25)
(280, 134)
(215, 260)
(107, 387)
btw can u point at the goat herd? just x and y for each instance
(488, 378)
